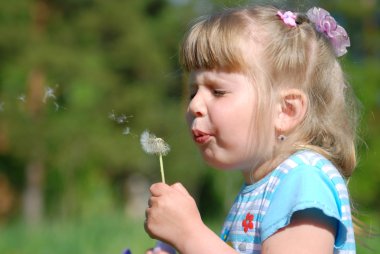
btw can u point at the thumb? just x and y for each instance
(179, 187)
(157, 189)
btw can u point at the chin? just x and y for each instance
(221, 165)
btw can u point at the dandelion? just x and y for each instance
(153, 145)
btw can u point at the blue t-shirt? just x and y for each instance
(304, 183)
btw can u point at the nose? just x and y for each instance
(197, 107)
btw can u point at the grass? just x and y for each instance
(370, 244)
(109, 234)
(99, 234)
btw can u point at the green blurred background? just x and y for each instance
(81, 79)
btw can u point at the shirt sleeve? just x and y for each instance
(302, 189)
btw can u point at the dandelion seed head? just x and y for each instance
(153, 145)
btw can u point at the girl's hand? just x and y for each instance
(172, 215)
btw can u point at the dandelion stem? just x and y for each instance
(162, 168)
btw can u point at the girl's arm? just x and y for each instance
(173, 217)
(304, 235)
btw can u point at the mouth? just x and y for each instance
(200, 137)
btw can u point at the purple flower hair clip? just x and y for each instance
(288, 17)
(326, 24)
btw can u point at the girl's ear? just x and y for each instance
(291, 110)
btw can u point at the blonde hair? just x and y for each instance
(297, 57)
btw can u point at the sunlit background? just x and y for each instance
(80, 80)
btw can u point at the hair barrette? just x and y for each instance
(288, 17)
(326, 24)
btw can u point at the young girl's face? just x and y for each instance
(220, 115)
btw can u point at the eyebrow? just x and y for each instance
(206, 79)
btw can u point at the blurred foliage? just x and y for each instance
(119, 58)
(93, 234)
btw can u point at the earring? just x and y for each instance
(281, 137)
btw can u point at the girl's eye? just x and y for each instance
(219, 93)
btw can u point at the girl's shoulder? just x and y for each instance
(302, 166)
(306, 163)
(307, 181)
(306, 175)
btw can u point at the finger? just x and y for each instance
(157, 189)
(179, 187)
(153, 201)
(147, 215)
(147, 229)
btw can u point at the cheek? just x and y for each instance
(239, 118)
(236, 129)
(242, 127)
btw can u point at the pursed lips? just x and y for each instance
(200, 137)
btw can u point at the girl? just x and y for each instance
(268, 98)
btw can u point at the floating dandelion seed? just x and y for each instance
(153, 145)
(126, 131)
(21, 97)
(112, 115)
(49, 93)
(121, 119)
(56, 105)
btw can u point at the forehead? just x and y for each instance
(226, 79)
(238, 52)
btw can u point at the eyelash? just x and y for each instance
(216, 93)
(219, 93)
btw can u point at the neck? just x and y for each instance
(255, 174)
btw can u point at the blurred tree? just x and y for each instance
(67, 67)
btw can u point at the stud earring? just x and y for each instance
(281, 137)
